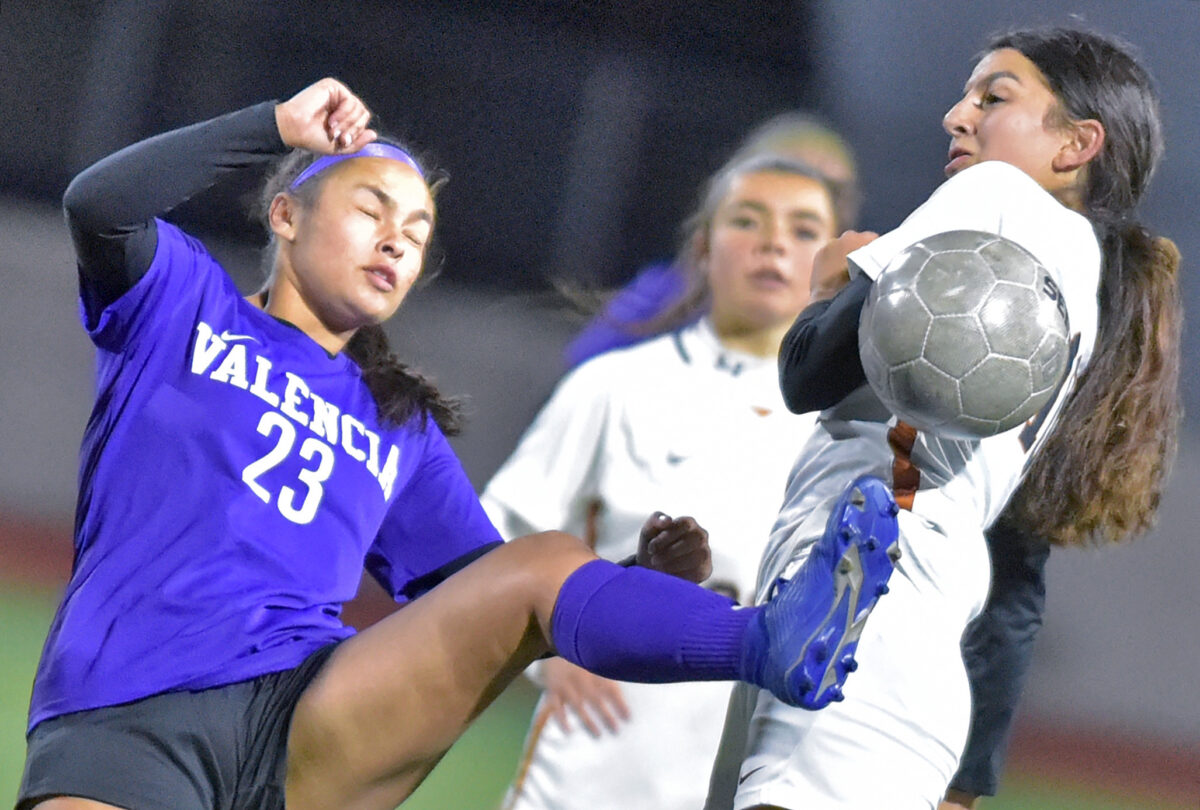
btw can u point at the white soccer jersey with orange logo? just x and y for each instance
(677, 424)
(907, 707)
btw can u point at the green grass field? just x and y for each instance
(472, 776)
(24, 617)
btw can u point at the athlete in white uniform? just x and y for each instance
(910, 692)
(717, 446)
(687, 424)
(895, 740)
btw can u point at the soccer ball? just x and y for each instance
(965, 335)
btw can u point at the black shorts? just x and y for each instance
(217, 749)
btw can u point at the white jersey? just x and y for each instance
(678, 424)
(908, 705)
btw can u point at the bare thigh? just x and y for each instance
(394, 698)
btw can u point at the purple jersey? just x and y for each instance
(234, 479)
(654, 289)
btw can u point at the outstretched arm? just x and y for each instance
(111, 206)
(818, 360)
(997, 648)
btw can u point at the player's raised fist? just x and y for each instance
(325, 117)
(830, 270)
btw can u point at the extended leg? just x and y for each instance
(394, 698)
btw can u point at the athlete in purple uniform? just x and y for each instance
(247, 457)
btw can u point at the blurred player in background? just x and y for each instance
(660, 292)
(691, 422)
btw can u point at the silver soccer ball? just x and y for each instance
(965, 335)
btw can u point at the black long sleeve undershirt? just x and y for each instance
(818, 361)
(998, 648)
(110, 207)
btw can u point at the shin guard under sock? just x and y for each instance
(634, 624)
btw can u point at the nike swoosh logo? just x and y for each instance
(230, 337)
(750, 773)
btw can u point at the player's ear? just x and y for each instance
(1084, 142)
(282, 216)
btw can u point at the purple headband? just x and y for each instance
(373, 149)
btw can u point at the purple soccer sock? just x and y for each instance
(634, 624)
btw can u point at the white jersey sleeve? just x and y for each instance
(684, 425)
(999, 198)
(552, 474)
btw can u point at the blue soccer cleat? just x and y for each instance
(808, 631)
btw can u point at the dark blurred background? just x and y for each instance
(574, 132)
(576, 135)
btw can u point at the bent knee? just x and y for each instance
(541, 564)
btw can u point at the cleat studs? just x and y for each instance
(844, 566)
(776, 587)
(820, 652)
(881, 589)
(835, 694)
(894, 554)
(844, 534)
(849, 663)
(872, 544)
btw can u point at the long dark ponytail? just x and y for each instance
(400, 392)
(1100, 475)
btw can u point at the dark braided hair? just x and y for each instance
(401, 393)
